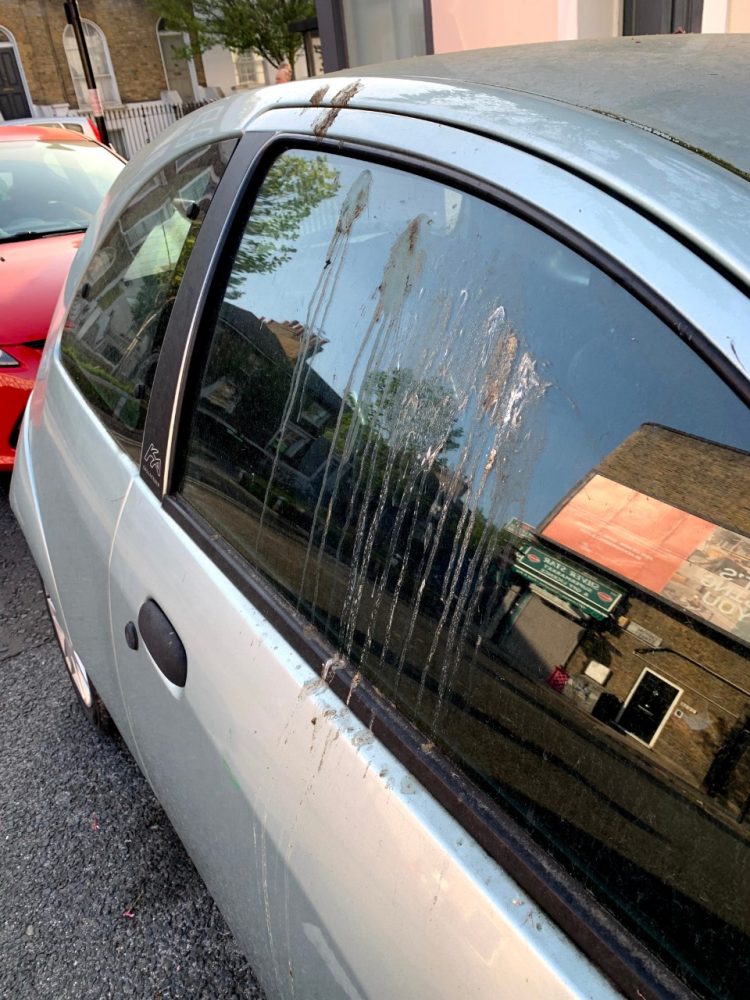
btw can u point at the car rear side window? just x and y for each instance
(116, 324)
(516, 502)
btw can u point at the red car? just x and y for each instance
(50, 187)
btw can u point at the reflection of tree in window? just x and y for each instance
(293, 187)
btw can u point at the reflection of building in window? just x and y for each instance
(733, 755)
(114, 331)
(134, 270)
(296, 447)
(292, 338)
(196, 186)
(157, 201)
(633, 602)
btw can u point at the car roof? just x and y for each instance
(692, 89)
(44, 133)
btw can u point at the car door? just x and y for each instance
(383, 384)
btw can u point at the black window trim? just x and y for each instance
(616, 951)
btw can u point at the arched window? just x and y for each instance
(15, 101)
(101, 63)
(179, 72)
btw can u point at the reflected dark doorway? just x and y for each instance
(648, 706)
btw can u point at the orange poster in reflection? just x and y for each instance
(632, 534)
(691, 562)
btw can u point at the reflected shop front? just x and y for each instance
(511, 525)
(664, 661)
(692, 704)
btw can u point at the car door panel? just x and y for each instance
(322, 851)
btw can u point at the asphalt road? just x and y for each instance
(97, 896)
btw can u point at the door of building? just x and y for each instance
(661, 17)
(13, 102)
(648, 706)
(179, 71)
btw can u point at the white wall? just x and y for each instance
(460, 24)
(218, 66)
(599, 18)
(379, 30)
(457, 24)
(714, 16)
(739, 16)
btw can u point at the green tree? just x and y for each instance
(416, 416)
(293, 187)
(239, 25)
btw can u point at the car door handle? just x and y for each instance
(162, 642)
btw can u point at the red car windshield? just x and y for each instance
(51, 187)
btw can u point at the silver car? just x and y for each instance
(387, 472)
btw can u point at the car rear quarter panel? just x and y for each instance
(68, 488)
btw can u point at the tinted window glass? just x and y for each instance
(116, 324)
(518, 502)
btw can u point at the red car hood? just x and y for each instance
(32, 274)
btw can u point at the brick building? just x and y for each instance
(133, 56)
(668, 515)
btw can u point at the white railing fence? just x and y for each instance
(133, 125)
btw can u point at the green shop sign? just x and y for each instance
(589, 593)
